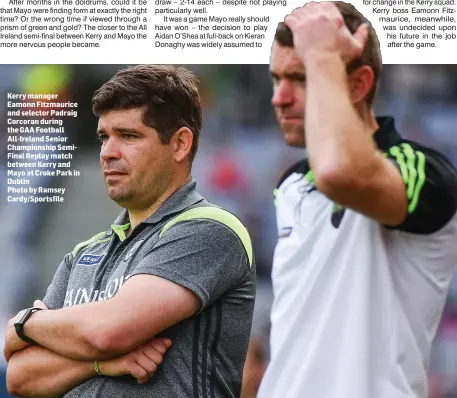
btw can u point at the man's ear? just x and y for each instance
(361, 81)
(181, 144)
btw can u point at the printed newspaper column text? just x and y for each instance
(415, 24)
(52, 24)
(181, 24)
(37, 148)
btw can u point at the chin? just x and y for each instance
(120, 196)
(295, 139)
(293, 132)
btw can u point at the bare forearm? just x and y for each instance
(69, 332)
(38, 372)
(107, 329)
(335, 135)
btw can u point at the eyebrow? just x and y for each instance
(291, 75)
(118, 130)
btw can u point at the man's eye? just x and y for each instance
(129, 136)
(300, 82)
(102, 138)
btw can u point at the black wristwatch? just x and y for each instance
(19, 326)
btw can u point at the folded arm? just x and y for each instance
(193, 264)
(38, 372)
(175, 280)
(144, 306)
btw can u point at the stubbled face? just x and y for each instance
(289, 93)
(136, 166)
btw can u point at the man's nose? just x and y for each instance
(110, 149)
(283, 93)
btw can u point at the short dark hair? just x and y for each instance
(371, 54)
(170, 94)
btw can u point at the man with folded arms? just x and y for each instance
(172, 268)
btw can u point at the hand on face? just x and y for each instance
(319, 28)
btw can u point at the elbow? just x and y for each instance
(107, 342)
(90, 343)
(23, 385)
(16, 382)
(343, 175)
(13, 385)
(333, 179)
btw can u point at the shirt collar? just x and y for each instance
(386, 136)
(184, 197)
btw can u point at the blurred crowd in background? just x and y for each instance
(240, 158)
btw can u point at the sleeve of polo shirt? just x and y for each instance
(203, 255)
(55, 294)
(431, 185)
